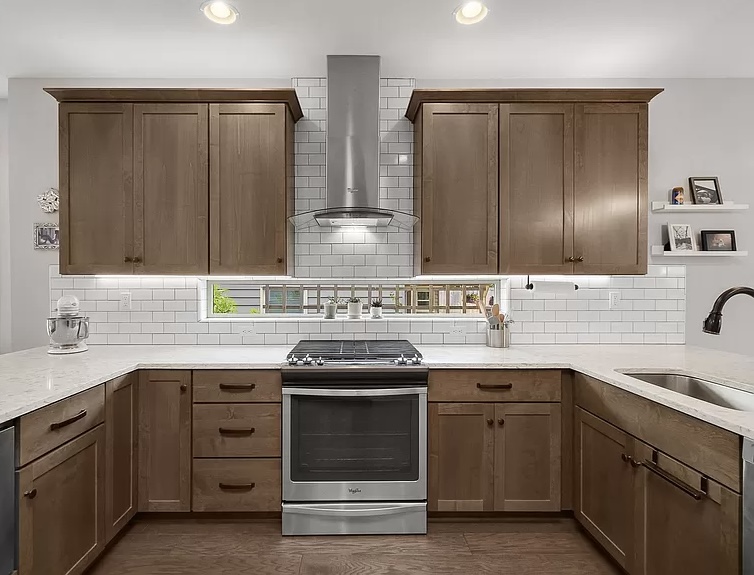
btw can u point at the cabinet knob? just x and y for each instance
(580, 259)
(31, 494)
(184, 387)
(571, 259)
(127, 260)
(490, 422)
(427, 260)
(137, 260)
(280, 260)
(501, 421)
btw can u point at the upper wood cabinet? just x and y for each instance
(164, 441)
(457, 189)
(96, 188)
(572, 180)
(251, 189)
(141, 193)
(171, 193)
(536, 188)
(610, 189)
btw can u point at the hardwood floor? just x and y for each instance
(237, 547)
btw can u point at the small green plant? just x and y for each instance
(354, 300)
(376, 303)
(222, 303)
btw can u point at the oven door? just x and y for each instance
(354, 444)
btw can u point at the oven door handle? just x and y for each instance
(330, 392)
(378, 509)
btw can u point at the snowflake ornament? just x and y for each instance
(49, 201)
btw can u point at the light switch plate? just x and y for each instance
(614, 298)
(125, 301)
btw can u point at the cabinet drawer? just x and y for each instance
(494, 385)
(237, 430)
(236, 485)
(45, 429)
(247, 386)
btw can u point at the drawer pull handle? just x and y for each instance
(60, 425)
(488, 387)
(237, 432)
(31, 494)
(237, 486)
(238, 386)
(501, 421)
(687, 489)
(490, 422)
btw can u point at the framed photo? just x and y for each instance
(719, 241)
(46, 236)
(681, 238)
(705, 191)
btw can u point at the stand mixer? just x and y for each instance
(68, 329)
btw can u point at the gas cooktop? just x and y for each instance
(315, 352)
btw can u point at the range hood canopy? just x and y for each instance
(353, 150)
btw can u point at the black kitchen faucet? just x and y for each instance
(714, 321)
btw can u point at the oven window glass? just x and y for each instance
(355, 439)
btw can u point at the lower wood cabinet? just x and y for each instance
(121, 435)
(62, 506)
(685, 523)
(494, 457)
(237, 485)
(165, 440)
(652, 513)
(604, 485)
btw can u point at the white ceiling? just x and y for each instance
(416, 38)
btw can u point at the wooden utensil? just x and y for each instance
(496, 310)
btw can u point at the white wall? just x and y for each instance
(5, 327)
(34, 168)
(696, 128)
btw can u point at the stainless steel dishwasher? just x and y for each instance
(7, 501)
(747, 542)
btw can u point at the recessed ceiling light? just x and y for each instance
(220, 12)
(471, 12)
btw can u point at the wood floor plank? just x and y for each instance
(190, 564)
(532, 543)
(388, 564)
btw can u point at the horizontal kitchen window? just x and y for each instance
(254, 299)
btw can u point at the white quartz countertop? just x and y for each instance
(32, 379)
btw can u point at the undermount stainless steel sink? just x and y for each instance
(708, 391)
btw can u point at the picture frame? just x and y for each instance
(705, 190)
(46, 236)
(681, 238)
(719, 241)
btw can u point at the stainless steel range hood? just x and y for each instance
(353, 149)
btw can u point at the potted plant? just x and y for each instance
(354, 308)
(376, 309)
(331, 308)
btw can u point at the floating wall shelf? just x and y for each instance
(727, 207)
(660, 251)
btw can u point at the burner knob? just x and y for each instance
(292, 360)
(416, 360)
(300, 362)
(320, 361)
(401, 361)
(307, 360)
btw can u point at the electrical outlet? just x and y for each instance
(247, 331)
(457, 331)
(614, 299)
(125, 301)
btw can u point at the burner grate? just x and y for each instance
(349, 350)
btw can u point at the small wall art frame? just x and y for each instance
(46, 236)
(719, 241)
(681, 238)
(706, 190)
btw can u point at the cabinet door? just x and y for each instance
(459, 188)
(610, 209)
(96, 188)
(536, 188)
(250, 188)
(121, 433)
(527, 457)
(171, 195)
(685, 522)
(62, 508)
(604, 485)
(165, 441)
(461, 456)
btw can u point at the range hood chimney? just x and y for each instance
(353, 149)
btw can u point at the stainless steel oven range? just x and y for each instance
(354, 439)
